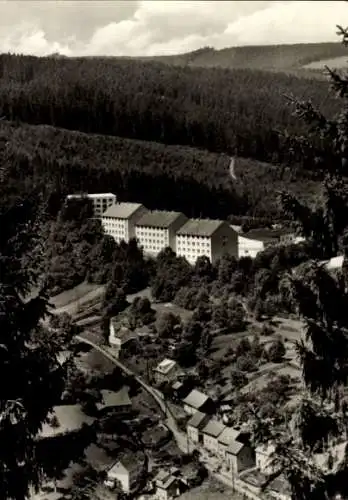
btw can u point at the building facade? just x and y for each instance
(206, 238)
(126, 473)
(197, 401)
(211, 433)
(119, 336)
(194, 427)
(263, 456)
(156, 230)
(249, 247)
(119, 220)
(166, 371)
(101, 201)
(239, 457)
(228, 436)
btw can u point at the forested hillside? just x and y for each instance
(166, 177)
(270, 57)
(220, 110)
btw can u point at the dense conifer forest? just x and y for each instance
(221, 110)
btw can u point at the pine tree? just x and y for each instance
(32, 380)
(322, 301)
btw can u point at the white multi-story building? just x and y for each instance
(249, 247)
(156, 230)
(204, 237)
(119, 220)
(101, 201)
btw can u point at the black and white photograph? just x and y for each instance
(173, 250)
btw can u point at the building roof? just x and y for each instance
(200, 227)
(164, 479)
(70, 418)
(228, 435)
(129, 461)
(195, 399)
(122, 210)
(165, 366)
(98, 458)
(264, 234)
(213, 428)
(197, 420)
(177, 385)
(235, 447)
(159, 218)
(113, 399)
(122, 332)
(91, 195)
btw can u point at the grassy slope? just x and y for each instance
(287, 58)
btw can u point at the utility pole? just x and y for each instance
(232, 476)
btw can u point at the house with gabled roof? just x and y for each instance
(194, 427)
(198, 401)
(156, 230)
(119, 220)
(228, 436)
(119, 336)
(114, 400)
(211, 433)
(206, 238)
(239, 457)
(166, 370)
(167, 486)
(126, 472)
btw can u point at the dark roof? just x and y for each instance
(228, 435)
(131, 461)
(195, 399)
(213, 428)
(113, 399)
(122, 210)
(264, 234)
(159, 218)
(197, 420)
(200, 227)
(235, 447)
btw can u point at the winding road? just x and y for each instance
(170, 421)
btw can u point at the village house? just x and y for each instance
(119, 336)
(101, 201)
(156, 230)
(119, 220)
(118, 401)
(205, 237)
(126, 473)
(239, 457)
(228, 436)
(179, 390)
(167, 486)
(166, 371)
(211, 433)
(194, 427)
(263, 456)
(197, 401)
